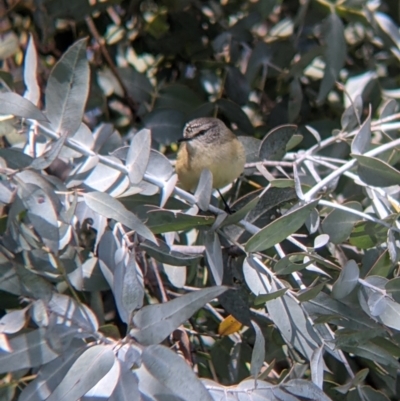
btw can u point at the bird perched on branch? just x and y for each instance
(208, 143)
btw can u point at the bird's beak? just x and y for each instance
(184, 140)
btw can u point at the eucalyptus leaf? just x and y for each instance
(153, 323)
(317, 367)
(204, 189)
(111, 208)
(128, 286)
(334, 54)
(338, 224)
(273, 146)
(163, 221)
(32, 92)
(164, 254)
(214, 256)
(138, 156)
(347, 281)
(88, 369)
(293, 324)
(258, 354)
(45, 160)
(67, 90)
(362, 140)
(49, 376)
(279, 229)
(12, 103)
(43, 216)
(174, 373)
(28, 350)
(376, 172)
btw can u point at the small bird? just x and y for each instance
(208, 143)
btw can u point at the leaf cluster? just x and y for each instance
(116, 284)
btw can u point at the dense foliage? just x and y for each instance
(115, 284)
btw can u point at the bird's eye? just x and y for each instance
(201, 132)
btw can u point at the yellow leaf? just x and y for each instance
(229, 326)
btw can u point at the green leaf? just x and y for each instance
(241, 213)
(44, 161)
(367, 234)
(279, 229)
(204, 189)
(382, 266)
(352, 115)
(236, 86)
(43, 215)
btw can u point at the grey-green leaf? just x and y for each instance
(291, 321)
(49, 376)
(273, 146)
(163, 254)
(214, 256)
(203, 190)
(138, 155)
(334, 54)
(153, 323)
(347, 280)
(85, 372)
(258, 354)
(362, 140)
(128, 286)
(67, 89)
(317, 367)
(12, 103)
(32, 92)
(279, 229)
(376, 172)
(306, 389)
(28, 350)
(111, 208)
(338, 224)
(174, 373)
(43, 216)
